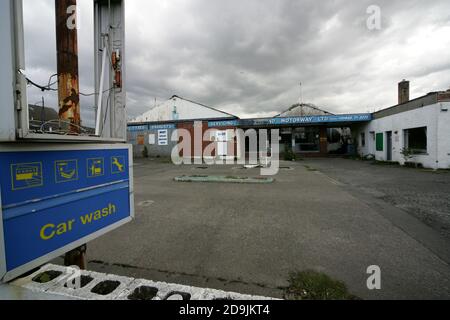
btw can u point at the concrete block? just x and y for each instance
(145, 285)
(28, 283)
(102, 287)
(111, 287)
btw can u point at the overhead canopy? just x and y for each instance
(345, 119)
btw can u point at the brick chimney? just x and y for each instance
(403, 92)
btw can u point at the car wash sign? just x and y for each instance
(56, 199)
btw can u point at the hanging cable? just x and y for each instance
(58, 121)
(49, 86)
(42, 88)
(50, 79)
(95, 93)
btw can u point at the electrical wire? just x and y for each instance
(95, 93)
(50, 79)
(49, 86)
(42, 88)
(59, 122)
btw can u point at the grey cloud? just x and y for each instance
(248, 57)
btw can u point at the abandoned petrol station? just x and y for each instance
(414, 131)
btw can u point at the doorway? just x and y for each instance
(222, 143)
(389, 146)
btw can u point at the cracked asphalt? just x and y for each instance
(336, 216)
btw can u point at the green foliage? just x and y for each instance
(289, 155)
(311, 169)
(46, 276)
(312, 285)
(407, 154)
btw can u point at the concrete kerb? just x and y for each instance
(86, 293)
(57, 285)
(165, 290)
(211, 294)
(28, 283)
(123, 291)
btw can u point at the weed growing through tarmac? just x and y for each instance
(386, 163)
(46, 276)
(310, 169)
(312, 285)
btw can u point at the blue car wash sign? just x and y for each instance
(54, 200)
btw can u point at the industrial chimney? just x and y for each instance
(403, 92)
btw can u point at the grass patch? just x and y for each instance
(353, 157)
(438, 171)
(312, 285)
(47, 276)
(386, 163)
(310, 169)
(289, 155)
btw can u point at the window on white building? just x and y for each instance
(416, 140)
(363, 139)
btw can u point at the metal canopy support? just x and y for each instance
(41, 174)
(109, 27)
(7, 120)
(109, 24)
(98, 116)
(14, 117)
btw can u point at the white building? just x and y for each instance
(151, 132)
(180, 109)
(413, 132)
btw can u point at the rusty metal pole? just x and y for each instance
(76, 257)
(68, 88)
(67, 64)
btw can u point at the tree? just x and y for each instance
(145, 152)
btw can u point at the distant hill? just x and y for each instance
(46, 119)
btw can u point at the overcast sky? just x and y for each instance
(248, 57)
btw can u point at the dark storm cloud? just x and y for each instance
(249, 57)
